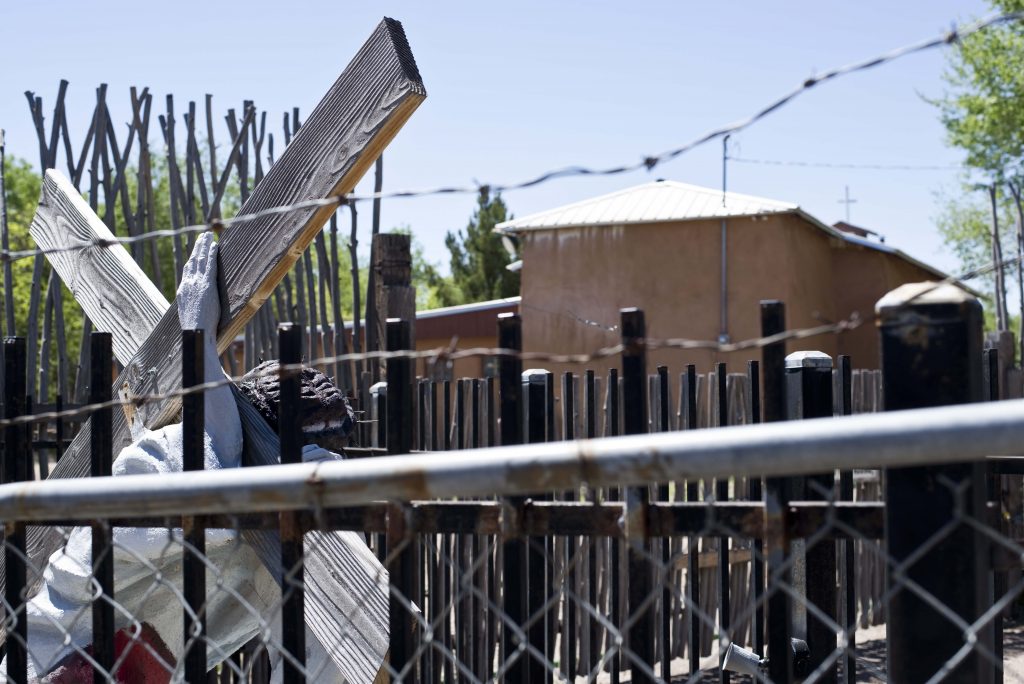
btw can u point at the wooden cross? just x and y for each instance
(345, 133)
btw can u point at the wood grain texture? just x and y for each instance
(345, 133)
(346, 603)
(110, 286)
(339, 566)
(360, 114)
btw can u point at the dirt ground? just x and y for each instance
(871, 663)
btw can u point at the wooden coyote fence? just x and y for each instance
(577, 580)
(457, 559)
(173, 167)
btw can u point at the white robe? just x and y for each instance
(242, 596)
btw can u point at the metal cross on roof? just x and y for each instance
(847, 201)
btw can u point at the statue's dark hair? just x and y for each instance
(327, 417)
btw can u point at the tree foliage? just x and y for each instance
(982, 111)
(478, 259)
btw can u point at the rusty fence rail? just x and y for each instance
(458, 540)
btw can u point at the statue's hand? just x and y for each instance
(198, 300)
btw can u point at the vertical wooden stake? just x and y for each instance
(400, 540)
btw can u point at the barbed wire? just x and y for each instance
(648, 162)
(451, 354)
(445, 355)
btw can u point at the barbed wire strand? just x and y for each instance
(437, 355)
(451, 354)
(646, 163)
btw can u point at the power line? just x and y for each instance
(840, 165)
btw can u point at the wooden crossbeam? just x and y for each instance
(339, 566)
(344, 134)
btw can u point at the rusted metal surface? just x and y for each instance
(742, 519)
(938, 435)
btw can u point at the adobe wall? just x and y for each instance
(575, 280)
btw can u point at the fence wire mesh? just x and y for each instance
(540, 589)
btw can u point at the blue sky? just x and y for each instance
(519, 88)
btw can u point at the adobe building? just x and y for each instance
(698, 263)
(469, 326)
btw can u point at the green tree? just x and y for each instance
(982, 111)
(478, 259)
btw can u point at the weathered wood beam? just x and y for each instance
(107, 282)
(361, 113)
(339, 566)
(358, 117)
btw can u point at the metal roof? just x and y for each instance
(457, 310)
(666, 200)
(648, 203)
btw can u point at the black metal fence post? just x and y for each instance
(535, 424)
(101, 452)
(693, 543)
(510, 399)
(289, 421)
(930, 344)
(400, 540)
(1000, 580)
(848, 569)
(667, 571)
(573, 544)
(755, 492)
(809, 395)
(773, 360)
(593, 496)
(13, 466)
(642, 633)
(193, 568)
(721, 395)
(614, 494)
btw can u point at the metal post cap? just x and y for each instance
(808, 359)
(928, 292)
(537, 376)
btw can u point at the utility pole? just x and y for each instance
(723, 328)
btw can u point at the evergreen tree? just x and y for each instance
(478, 259)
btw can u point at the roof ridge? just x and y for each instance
(571, 214)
